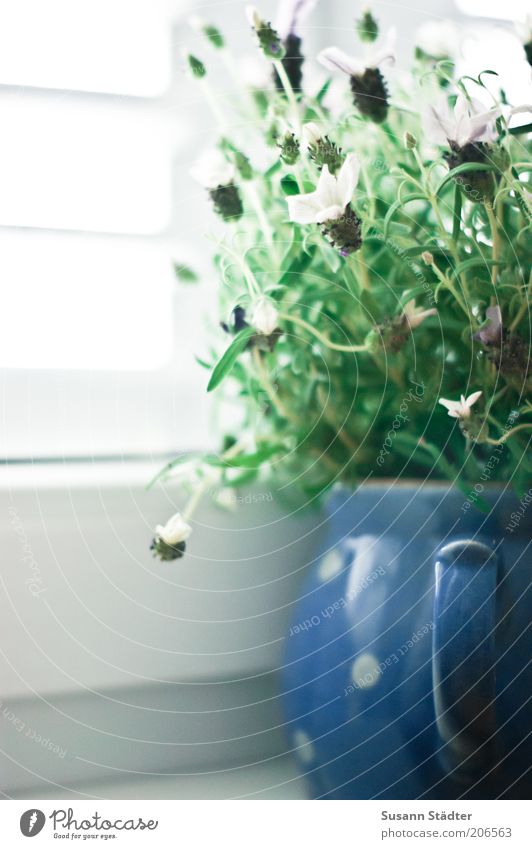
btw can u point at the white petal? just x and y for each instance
(176, 530)
(348, 178)
(290, 14)
(438, 123)
(383, 53)
(482, 127)
(303, 208)
(327, 189)
(453, 407)
(473, 398)
(336, 60)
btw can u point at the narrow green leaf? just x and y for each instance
(524, 128)
(475, 262)
(466, 168)
(226, 363)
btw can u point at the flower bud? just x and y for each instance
(427, 258)
(210, 32)
(269, 40)
(410, 141)
(264, 316)
(289, 147)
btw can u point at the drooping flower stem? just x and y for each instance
(504, 438)
(450, 286)
(268, 387)
(334, 346)
(209, 480)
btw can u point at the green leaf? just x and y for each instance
(475, 262)
(226, 363)
(466, 168)
(184, 273)
(251, 461)
(323, 90)
(396, 206)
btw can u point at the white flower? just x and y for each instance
(468, 122)
(176, 530)
(460, 409)
(264, 316)
(290, 13)
(438, 39)
(416, 315)
(254, 19)
(331, 197)
(378, 54)
(311, 134)
(524, 29)
(212, 169)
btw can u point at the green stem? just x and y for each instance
(507, 435)
(494, 240)
(268, 387)
(323, 339)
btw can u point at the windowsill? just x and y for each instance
(70, 474)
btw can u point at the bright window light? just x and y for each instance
(497, 49)
(120, 46)
(101, 165)
(82, 302)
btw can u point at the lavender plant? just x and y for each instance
(374, 274)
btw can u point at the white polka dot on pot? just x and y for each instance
(304, 747)
(331, 564)
(365, 671)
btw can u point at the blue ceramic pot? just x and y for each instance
(408, 668)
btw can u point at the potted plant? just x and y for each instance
(375, 334)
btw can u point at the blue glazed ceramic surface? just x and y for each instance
(408, 669)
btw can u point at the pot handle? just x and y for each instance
(463, 656)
